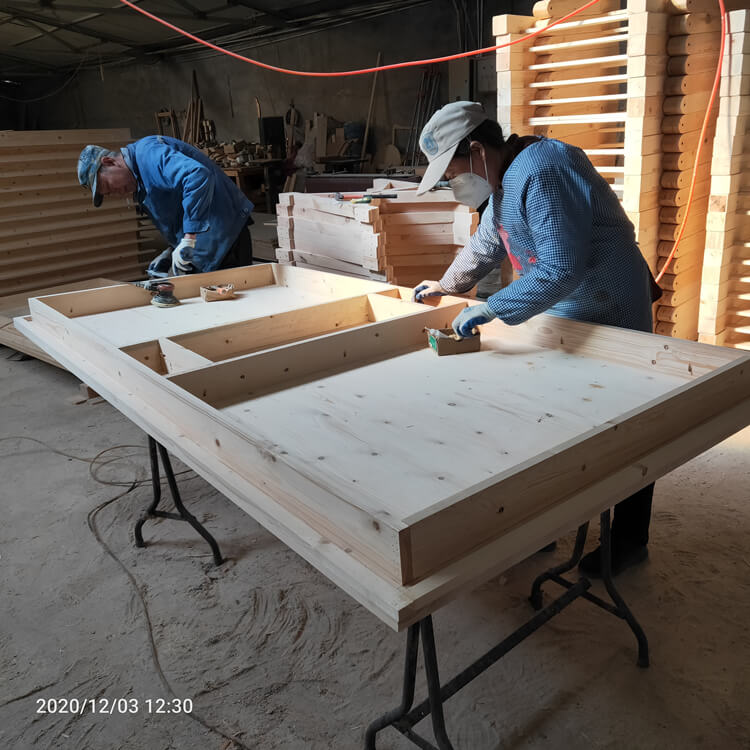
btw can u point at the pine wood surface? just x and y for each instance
(366, 476)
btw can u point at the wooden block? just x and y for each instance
(695, 23)
(682, 85)
(691, 64)
(690, 6)
(556, 9)
(676, 180)
(693, 44)
(696, 224)
(647, 44)
(682, 142)
(510, 24)
(646, 65)
(682, 105)
(682, 123)
(645, 86)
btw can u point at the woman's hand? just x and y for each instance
(428, 289)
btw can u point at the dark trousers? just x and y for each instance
(241, 252)
(632, 518)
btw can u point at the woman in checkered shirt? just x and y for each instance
(568, 239)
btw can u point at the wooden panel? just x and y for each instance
(49, 227)
(340, 484)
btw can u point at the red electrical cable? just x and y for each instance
(392, 66)
(701, 137)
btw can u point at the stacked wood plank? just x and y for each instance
(593, 82)
(51, 232)
(402, 240)
(725, 288)
(692, 46)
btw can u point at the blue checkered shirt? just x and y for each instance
(568, 239)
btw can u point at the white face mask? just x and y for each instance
(471, 189)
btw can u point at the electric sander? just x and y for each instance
(162, 292)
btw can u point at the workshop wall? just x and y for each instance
(128, 96)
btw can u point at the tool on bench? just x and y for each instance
(445, 341)
(217, 292)
(162, 292)
(361, 198)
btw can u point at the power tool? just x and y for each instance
(162, 292)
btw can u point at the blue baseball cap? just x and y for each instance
(88, 169)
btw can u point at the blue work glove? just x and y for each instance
(159, 267)
(471, 317)
(428, 289)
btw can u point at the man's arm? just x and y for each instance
(559, 216)
(197, 185)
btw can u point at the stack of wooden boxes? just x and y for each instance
(402, 240)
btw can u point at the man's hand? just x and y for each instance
(182, 256)
(471, 317)
(428, 289)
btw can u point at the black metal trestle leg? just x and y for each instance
(619, 608)
(405, 718)
(183, 514)
(536, 588)
(400, 717)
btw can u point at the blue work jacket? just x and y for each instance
(182, 190)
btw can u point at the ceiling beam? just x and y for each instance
(50, 34)
(265, 17)
(71, 26)
(91, 9)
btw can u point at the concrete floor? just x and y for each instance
(274, 654)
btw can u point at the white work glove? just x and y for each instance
(428, 289)
(182, 257)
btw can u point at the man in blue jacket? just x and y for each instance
(195, 206)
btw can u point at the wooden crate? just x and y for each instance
(314, 402)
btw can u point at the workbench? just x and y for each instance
(259, 168)
(313, 402)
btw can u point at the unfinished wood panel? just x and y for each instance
(48, 219)
(370, 510)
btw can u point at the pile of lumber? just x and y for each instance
(725, 287)
(692, 44)
(630, 86)
(51, 232)
(592, 82)
(402, 240)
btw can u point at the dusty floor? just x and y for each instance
(272, 653)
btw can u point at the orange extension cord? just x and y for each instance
(473, 53)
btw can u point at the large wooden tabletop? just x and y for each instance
(314, 402)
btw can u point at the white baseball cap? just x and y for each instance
(442, 134)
